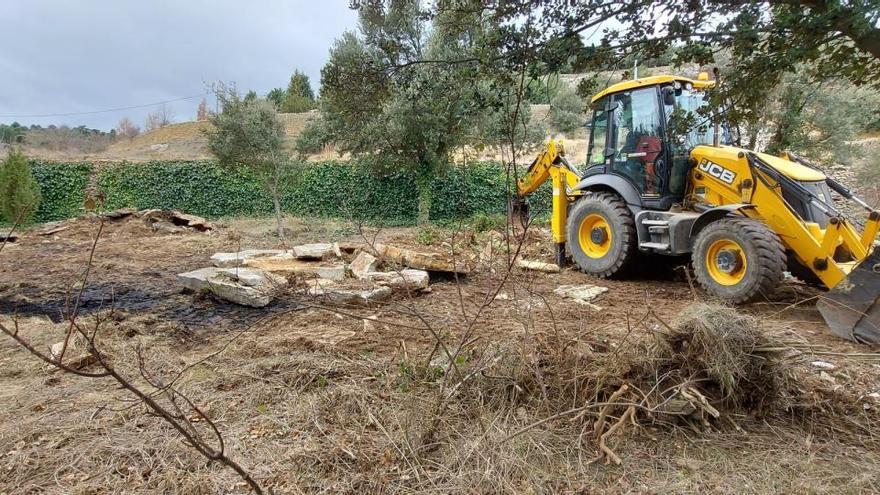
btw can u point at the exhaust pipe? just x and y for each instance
(716, 135)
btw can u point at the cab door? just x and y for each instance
(636, 141)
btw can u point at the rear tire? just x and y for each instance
(601, 234)
(738, 259)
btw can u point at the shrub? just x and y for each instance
(566, 111)
(19, 191)
(313, 137)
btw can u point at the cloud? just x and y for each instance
(63, 57)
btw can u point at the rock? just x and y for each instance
(348, 247)
(159, 147)
(336, 250)
(175, 218)
(403, 279)
(73, 356)
(364, 263)
(370, 323)
(245, 286)
(315, 251)
(420, 260)
(538, 266)
(581, 294)
(286, 263)
(823, 364)
(226, 260)
(8, 237)
(119, 214)
(332, 292)
(334, 272)
(53, 228)
(166, 227)
(191, 221)
(149, 213)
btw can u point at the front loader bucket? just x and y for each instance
(850, 308)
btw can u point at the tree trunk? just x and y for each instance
(278, 218)
(425, 184)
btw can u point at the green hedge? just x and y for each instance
(62, 187)
(325, 189)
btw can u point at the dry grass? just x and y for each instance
(326, 420)
(534, 401)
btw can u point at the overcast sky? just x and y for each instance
(62, 56)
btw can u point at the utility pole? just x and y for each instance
(636, 68)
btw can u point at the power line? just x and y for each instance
(71, 114)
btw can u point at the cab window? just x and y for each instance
(638, 140)
(598, 134)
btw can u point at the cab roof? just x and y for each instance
(650, 81)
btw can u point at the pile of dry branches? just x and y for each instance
(710, 361)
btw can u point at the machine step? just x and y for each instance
(660, 246)
(655, 222)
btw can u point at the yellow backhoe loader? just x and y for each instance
(660, 179)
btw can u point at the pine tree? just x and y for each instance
(19, 191)
(300, 97)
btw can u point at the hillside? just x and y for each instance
(181, 141)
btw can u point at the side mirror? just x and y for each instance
(668, 96)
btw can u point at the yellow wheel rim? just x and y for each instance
(594, 236)
(726, 262)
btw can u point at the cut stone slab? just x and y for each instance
(333, 292)
(166, 227)
(119, 214)
(363, 264)
(191, 221)
(53, 228)
(8, 237)
(227, 260)
(349, 247)
(407, 278)
(287, 263)
(245, 286)
(158, 219)
(420, 260)
(315, 251)
(581, 294)
(335, 272)
(538, 266)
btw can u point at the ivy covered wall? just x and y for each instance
(323, 189)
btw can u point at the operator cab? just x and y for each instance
(643, 131)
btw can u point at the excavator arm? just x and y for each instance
(549, 164)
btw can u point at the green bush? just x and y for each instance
(566, 111)
(313, 137)
(19, 191)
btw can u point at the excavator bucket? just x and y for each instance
(518, 213)
(851, 307)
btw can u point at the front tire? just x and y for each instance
(601, 234)
(738, 259)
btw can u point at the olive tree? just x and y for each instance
(247, 134)
(392, 112)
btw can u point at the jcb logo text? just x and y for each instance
(717, 171)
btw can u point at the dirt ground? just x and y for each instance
(315, 398)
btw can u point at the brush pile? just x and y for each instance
(710, 362)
